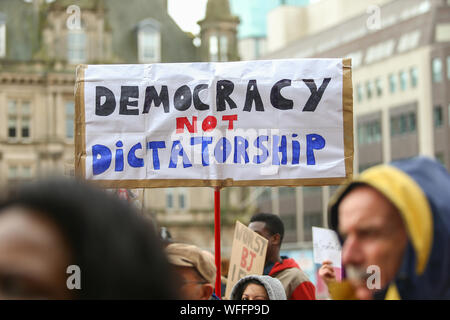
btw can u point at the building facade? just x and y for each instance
(42, 42)
(401, 79)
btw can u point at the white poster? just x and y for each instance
(280, 122)
(326, 246)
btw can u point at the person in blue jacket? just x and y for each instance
(394, 225)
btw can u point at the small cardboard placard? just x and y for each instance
(248, 255)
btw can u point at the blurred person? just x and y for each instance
(397, 218)
(295, 282)
(195, 269)
(212, 258)
(255, 287)
(49, 225)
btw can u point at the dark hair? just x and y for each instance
(273, 223)
(246, 284)
(118, 251)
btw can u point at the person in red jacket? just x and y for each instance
(295, 282)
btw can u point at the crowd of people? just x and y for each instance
(395, 217)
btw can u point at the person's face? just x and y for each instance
(273, 239)
(33, 257)
(193, 287)
(255, 291)
(373, 233)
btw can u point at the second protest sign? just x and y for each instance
(248, 254)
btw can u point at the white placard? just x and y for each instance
(326, 246)
(275, 122)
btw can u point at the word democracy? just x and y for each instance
(184, 97)
(276, 149)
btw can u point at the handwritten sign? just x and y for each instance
(326, 246)
(266, 123)
(248, 254)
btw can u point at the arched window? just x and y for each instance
(218, 48)
(149, 41)
(76, 46)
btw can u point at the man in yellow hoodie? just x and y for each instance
(394, 224)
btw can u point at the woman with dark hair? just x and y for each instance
(48, 226)
(256, 287)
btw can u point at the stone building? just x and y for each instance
(42, 41)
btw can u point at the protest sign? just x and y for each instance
(248, 254)
(260, 123)
(326, 246)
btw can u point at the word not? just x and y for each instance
(102, 155)
(184, 97)
(208, 124)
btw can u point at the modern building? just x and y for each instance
(252, 31)
(401, 79)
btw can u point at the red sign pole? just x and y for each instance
(217, 239)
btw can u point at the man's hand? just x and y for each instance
(326, 272)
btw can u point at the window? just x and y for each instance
(266, 194)
(369, 89)
(311, 190)
(289, 222)
(19, 173)
(224, 48)
(414, 76)
(403, 123)
(26, 173)
(369, 132)
(437, 70)
(363, 167)
(213, 49)
(448, 67)
(448, 113)
(12, 173)
(311, 220)
(19, 115)
(12, 119)
(26, 114)
(359, 92)
(392, 83)
(287, 191)
(70, 112)
(169, 198)
(2, 35)
(182, 198)
(379, 87)
(440, 157)
(76, 46)
(412, 122)
(149, 41)
(403, 80)
(438, 118)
